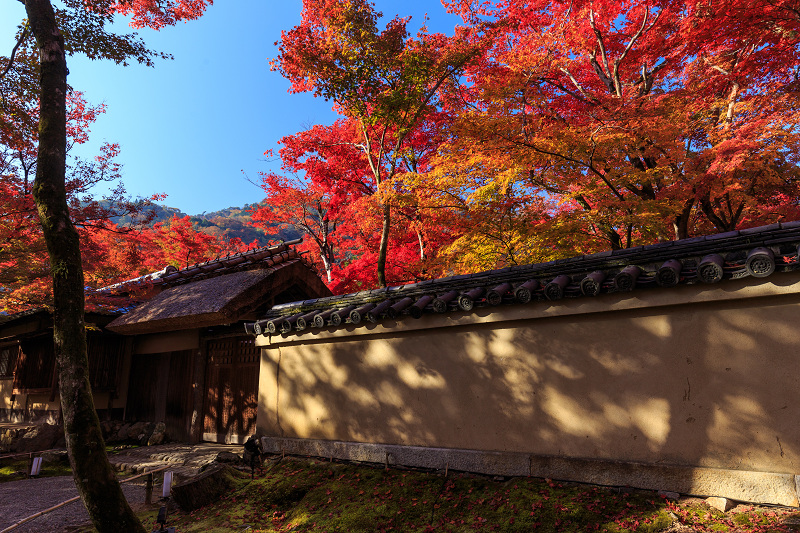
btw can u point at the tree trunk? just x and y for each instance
(718, 220)
(96, 481)
(384, 246)
(681, 221)
(327, 265)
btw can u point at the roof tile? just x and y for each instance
(658, 265)
(720, 236)
(762, 229)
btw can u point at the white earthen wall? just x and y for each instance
(703, 376)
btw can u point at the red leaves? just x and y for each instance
(110, 254)
(388, 86)
(555, 81)
(153, 13)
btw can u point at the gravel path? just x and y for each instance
(23, 498)
(20, 499)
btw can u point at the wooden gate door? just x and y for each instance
(161, 391)
(149, 376)
(231, 389)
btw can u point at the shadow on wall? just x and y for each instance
(230, 406)
(706, 384)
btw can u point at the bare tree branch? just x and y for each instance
(21, 39)
(575, 82)
(621, 58)
(605, 70)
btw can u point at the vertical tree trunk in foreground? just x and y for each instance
(96, 481)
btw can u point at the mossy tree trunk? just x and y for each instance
(94, 477)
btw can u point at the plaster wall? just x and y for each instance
(699, 376)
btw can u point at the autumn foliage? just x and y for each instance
(569, 127)
(535, 131)
(110, 253)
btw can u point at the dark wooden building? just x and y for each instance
(180, 355)
(28, 375)
(193, 366)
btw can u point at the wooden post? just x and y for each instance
(198, 392)
(166, 484)
(148, 489)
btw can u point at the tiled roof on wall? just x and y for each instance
(757, 252)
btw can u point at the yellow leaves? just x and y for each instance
(498, 187)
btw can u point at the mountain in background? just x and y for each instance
(233, 222)
(229, 223)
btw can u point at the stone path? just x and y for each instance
(20, 499)
(26, 497)
(187, 459)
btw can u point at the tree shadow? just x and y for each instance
(704, 384)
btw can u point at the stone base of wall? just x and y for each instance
(746, 486)
(33, 416)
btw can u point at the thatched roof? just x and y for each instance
(170, 276)
(222, 299)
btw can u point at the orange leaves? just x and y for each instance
(386, 84)
(309, 209)
(176, 242)
(577, 126)
(331, 50)
(110, 253)
(638, 118)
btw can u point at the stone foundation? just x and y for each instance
(748, 486)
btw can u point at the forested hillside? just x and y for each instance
(235, 222)
(228, 223)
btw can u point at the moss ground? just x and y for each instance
(311, 495)
(18, 469)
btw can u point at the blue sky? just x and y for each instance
(197, 127)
